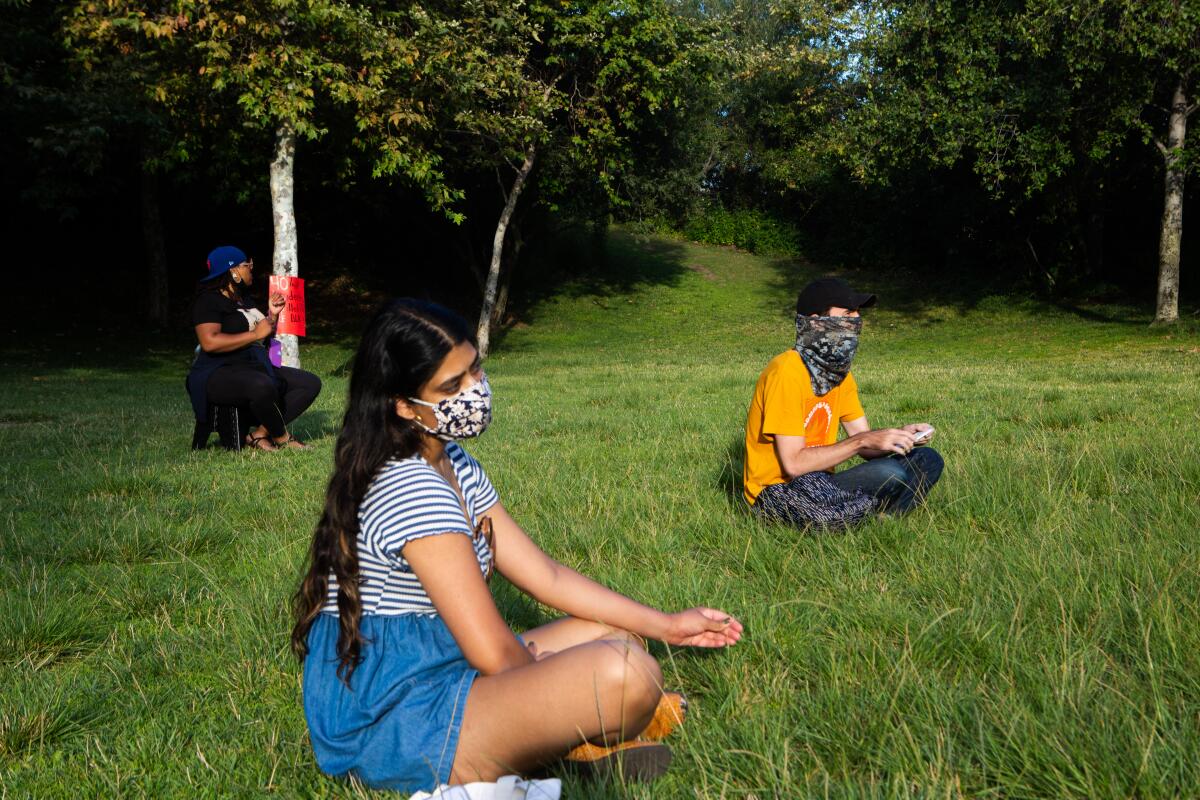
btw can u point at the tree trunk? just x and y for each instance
(1171, 232)
(517, 242)
(483, 332)
(502, 298)
(156, 252)
(285, 261)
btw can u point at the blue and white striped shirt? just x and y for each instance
(409, 500)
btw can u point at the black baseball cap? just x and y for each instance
(826, 293)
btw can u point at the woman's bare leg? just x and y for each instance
(567, 632)
(603, 690)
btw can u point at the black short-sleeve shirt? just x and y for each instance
(234, 316)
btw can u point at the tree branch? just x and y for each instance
(1162, 148)
(709, 162)
(503, 189)
(478, 134)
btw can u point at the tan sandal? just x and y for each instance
(669, 715)
(291, 443)
(253, 442)
(634, 761)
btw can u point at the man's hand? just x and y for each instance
(916, 428)
(886, 441)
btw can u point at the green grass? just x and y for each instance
(1033, 632)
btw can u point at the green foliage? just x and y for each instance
(1024, 93)
(229, 67)
(614, 76)
(746, 229)
(1042, 105)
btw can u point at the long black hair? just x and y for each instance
(403, 346)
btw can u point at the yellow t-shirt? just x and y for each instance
(784, 404)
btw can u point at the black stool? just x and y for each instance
(231, 424)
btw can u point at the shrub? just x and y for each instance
(752, 230)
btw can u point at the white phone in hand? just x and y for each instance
(921, 436)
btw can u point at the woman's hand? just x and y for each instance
(702, 627)
(276, 304)
(263, 329)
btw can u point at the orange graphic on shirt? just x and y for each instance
(816, 425)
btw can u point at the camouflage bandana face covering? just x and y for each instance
(827, 346)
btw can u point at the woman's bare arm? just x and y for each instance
(448, 571)
(213, 341)
(523, 563)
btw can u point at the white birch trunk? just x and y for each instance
(1171, 233)
(285, 260)
(484, 329)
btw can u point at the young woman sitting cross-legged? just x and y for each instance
(411, 676)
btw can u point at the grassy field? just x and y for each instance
(1033, 632)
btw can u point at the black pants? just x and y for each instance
(253, 388)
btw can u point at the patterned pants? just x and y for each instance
(814, 499)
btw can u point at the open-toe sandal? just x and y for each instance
(291, 443)
(253, 442)
(669, 715)
(634, 761)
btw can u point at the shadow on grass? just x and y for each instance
(81, 347)
(904, 292)
(317, 425)
(517, 608)
(582, 261)
(1110, 314)
(916, 294)
(729, 477)
(572, 262)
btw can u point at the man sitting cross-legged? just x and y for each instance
(791, 430)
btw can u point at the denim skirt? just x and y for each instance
(396, 726)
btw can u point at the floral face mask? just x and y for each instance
(462, 416)
(827, 346)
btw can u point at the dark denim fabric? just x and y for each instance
(899, 482)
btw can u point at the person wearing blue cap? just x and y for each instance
(233, 366)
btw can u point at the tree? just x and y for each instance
(451, 88)
(789, 76)
(1032, 95)
(228, 65)
(276, 58)
(569, 87)
(1156, 43)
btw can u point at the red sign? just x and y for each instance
(291, 320)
